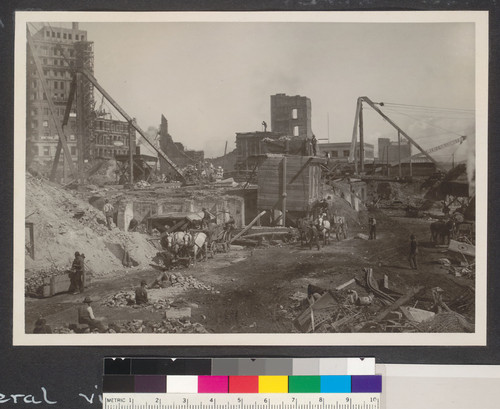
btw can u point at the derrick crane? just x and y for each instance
(358, 121)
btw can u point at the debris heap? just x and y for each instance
(64, 223)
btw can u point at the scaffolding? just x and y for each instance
(85, 103)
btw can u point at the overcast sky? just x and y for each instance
(212, 80)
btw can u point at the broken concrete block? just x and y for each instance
(178, 313)
(417, 314)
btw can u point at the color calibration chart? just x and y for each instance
(241, 383)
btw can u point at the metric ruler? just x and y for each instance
(242, 401)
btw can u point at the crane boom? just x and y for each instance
(130, 120)
(435, 148)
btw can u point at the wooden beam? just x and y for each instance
(249, 225)
(305, 165)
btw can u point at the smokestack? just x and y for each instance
(74, 26)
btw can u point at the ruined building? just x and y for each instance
(291, 115)
(175, 151)
(290, 132)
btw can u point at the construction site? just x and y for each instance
(287, 233)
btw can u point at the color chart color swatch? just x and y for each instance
(239, 366)
(242, 384)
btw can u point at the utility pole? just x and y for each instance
(361, 140)
(328, 126)
(399, 153)
(131, 147)
(411, 169)
(283, 193)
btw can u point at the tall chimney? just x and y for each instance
(74, 26)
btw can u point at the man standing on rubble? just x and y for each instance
(108, 213)
(314, 144)
(412, 257)
(141, 294)
(372, 225)
(78, 268)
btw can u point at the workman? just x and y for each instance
(108, 213)
(41, 327)
(141, 294)
(314, 144)
(412, 257)
(78, 269)
(372, 225)
(206, 218)
(86, 316)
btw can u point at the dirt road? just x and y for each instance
(254, 288)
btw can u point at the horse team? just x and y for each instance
(311, 231)
(185, 244)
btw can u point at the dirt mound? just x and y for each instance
(341, 207)
(63, 224)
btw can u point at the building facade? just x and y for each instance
(58, 49)
(291, 115)
(340, 151)
(390, 151)
(111, 138)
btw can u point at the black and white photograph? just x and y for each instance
(285, 178)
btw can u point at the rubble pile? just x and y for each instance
(149, 327)
(179, 281)
(34, 283)
(382, 310)
(121, 299)
(127, 299)
(64, 223)
(446, 322)
(158, 327)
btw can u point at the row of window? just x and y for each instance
(64, 36)
(54, 51)
(55, 61)
(55, 84)
(108, 153)
(50, 150)
(110, 139)
(45, 124)
(112, 126)
(55, 97)
(45, 111)
(346, 152)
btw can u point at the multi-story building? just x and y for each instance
(111, 138)
(58, 49)
(390, 151)
(291, 115)
(341, 151)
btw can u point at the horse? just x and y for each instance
(308, 233)
(199, 244)
(175, 242)
(442, 231)
(323, 226)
